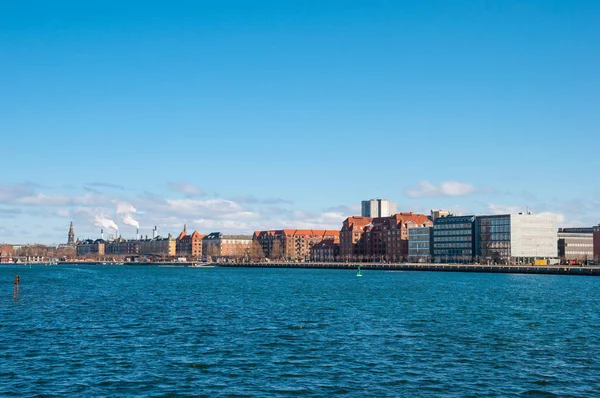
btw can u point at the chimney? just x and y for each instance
(154, 232)
(137, 234)
(102, 234)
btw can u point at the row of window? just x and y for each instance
(453, 239)
(457, 232)
(453, 226)
(451, 245)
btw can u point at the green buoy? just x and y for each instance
(358, 271)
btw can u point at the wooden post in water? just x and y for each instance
(17, 291)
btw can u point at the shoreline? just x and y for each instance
(498, 269)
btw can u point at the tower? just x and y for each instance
(71, 239)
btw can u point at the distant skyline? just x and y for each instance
(234, 116)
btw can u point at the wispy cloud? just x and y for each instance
(250, 199)
(188, 189)
(426, 189)
(105, 185)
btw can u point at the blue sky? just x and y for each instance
(242, 115)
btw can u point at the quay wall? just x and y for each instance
(504, 269)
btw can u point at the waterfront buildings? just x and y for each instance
(380, 238)
(576, 245)
(6, 254)
(218, 246)
(515, 238)
(292, 244)
(506, 239)
(453, 239)
(121, 247)
(352, 246)
(377, 208)
(189, 245)
(327, 250)
(420, 241)
(89, 247)
(158, 247)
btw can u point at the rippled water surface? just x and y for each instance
(131, 331)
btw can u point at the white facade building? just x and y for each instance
(533, 235)
(511, 238)
(378, 208)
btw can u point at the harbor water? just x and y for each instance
(174, 331)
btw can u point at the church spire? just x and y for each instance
(71, 239)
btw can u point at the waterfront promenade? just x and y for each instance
(505, 269)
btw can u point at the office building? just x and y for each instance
(515, 238)
(576, 245)
(420, 244)
(453, 239)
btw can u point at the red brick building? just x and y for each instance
(6, 254)
(379, 239)
(325, 251)
(352, 246)
(292, 244)
(189, 245)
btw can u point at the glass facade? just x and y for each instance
(419, 244)
(492, 237)
(453, 239)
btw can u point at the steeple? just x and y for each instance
(185, 228)
(71, 239)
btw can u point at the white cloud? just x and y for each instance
(426, 189)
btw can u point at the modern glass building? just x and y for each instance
(515, 238)
(492, 238)
(576, 245)
(453, 239)
(419, 244)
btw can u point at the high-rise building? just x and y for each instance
(435, 214)
(378, 208)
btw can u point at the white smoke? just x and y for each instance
(101, 221)
(124, 207)
(128, 220)
(125, 210)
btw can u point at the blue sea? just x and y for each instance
(174, 331)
